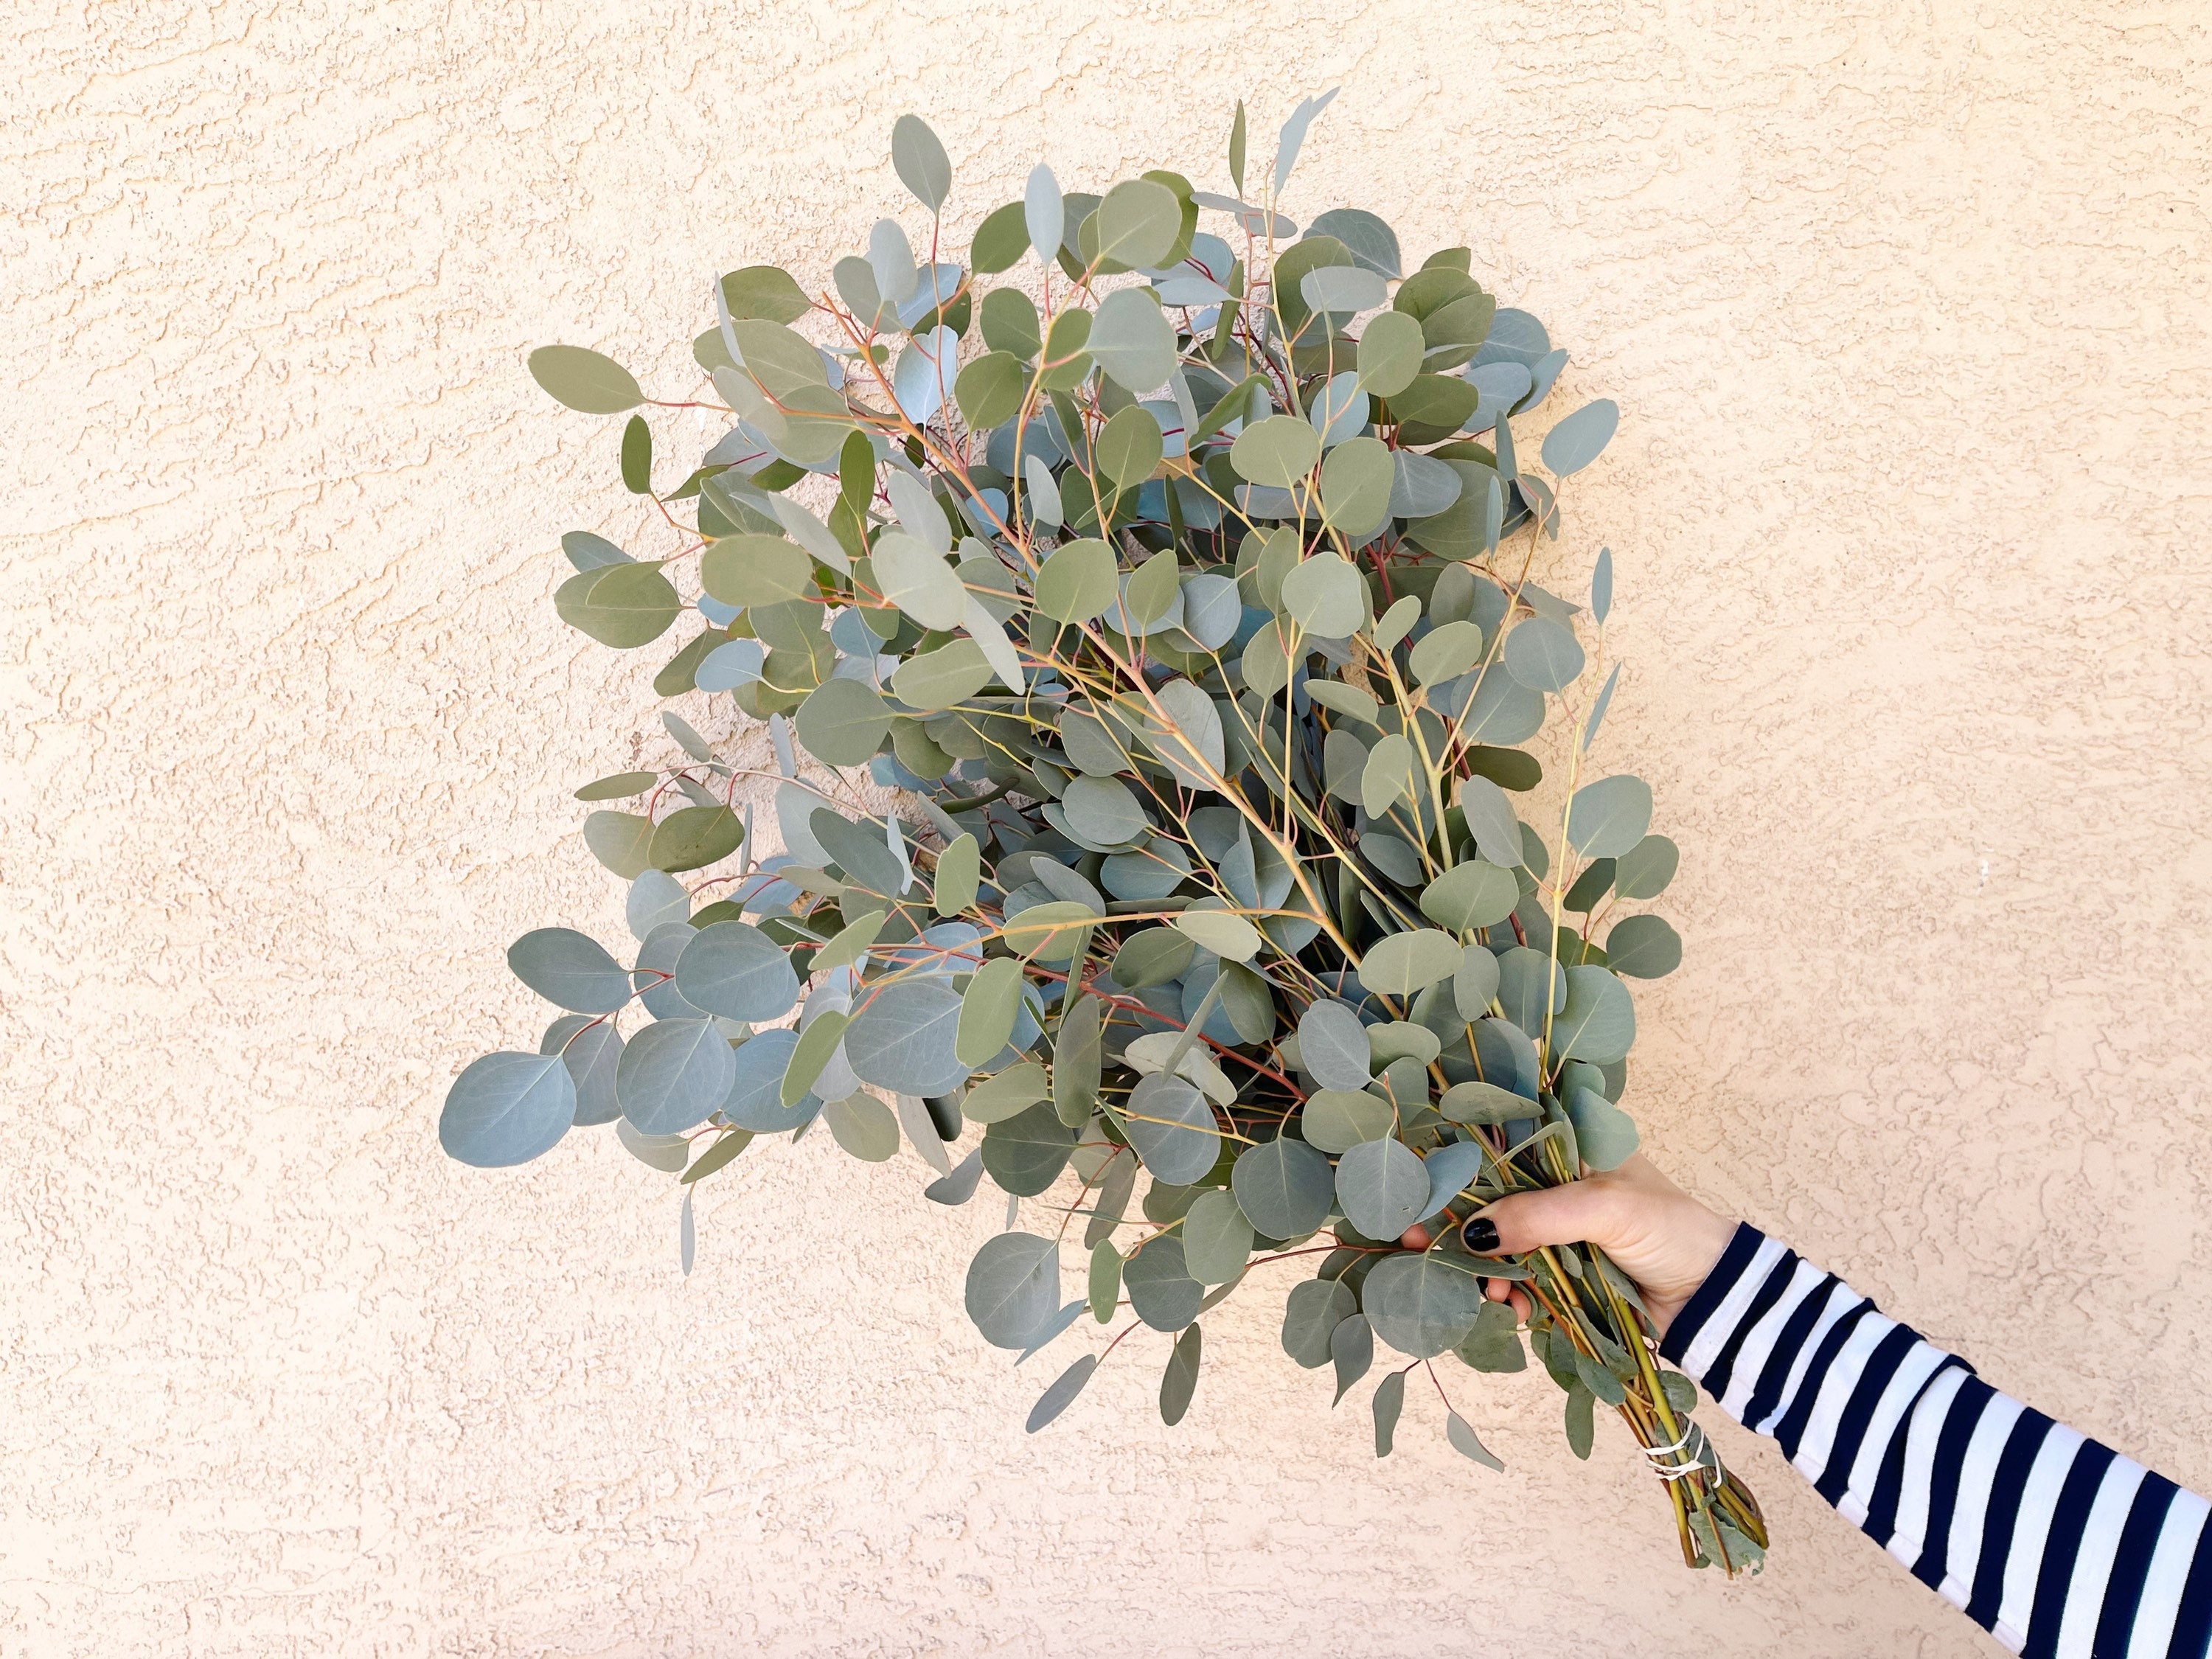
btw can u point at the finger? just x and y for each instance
(1556, 1215)
(1522, 1307)
(1497, 1290)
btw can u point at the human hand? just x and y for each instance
(1657, 1233)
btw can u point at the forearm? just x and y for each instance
(2050, 1541)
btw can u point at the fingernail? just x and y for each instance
(1479, 1235)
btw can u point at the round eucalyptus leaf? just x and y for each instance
(1598, 1023)
(1105, 810)
(584, 381)
(864, 1126)
(506, 1109)
(1217, 1238)
(1337, 1120)
(988, 1008)
(1382, 1188)
(1419, 1304)
(591, 1050)
(1129, 447)
(1475, 983)
(1348, 288)
(1325, 596)
(989, 389)
(727, 667)
(1212, 611)
(1607, 818)
(1078, 582)
(667, 1153)
(673, 1075)
(1013, 1287)
(1450, 1167)
(938, 679)
(656, 956)
(755, 1101)
(1406, 962)
(1580, 438)
(920, 161)
(1179, 1380)
(733, 969)
(1161, 1292)
(1490, 820)
(655, 897)
(1279, 451)
(1138, 223)
(1483, 1102)
(1543, 654)
(1044, 214)
(1503, 710)
(1356, 481)
(1172, 1129)
(1314, 1309)
(1523, 974)
(569, 969)
(1446, 652)
(1645, 869)
(1644, 947)
(1229, 937)
(905, 1035)
(1476, 894)
(1390, 348)
(1153, 956)
(1025, 1153)
(754, 569)
(692, 837)
(1333, 1049)
(843, 722)
(1604, 1134)
(1132, 341)
(1009, 1094)
(623, 605)
(918, 581)
(1284, 1186)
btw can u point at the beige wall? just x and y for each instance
(1906, 307)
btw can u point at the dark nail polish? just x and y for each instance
(1479, 1235)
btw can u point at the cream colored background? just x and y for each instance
(1906, 307)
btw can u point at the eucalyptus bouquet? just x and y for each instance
(1175, 584)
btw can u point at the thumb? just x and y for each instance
(1579, 1211)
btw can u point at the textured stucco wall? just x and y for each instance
(1907, 305)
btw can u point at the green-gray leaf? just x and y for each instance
(1013, 1287)
(906, 1036)
(920, 161)
(1131, 339)
(733, 969)
(1026, 1152)
(1406, 962)
(673, 1073)
(1389, 1401)
(623, 605)
(1644, 871)
(1606, 818)
(1279, 452)
(1543, 654)
(1161, 1290)
(1419, 1304)
(843, 722)
(1475, 894)
(506, 1109)
(1351, 1350)
(1579, 439)
(1383, 1187)
(1217, 1238)
(1061, 1394)
(1603, 1132)
(1493, 1344)
(1598, 1024)
(1181, 1380)
(1138, 224)
(1644, 947)
(584, 381)
(569, 969)
(1310, 1317)
(1172, 1128)
(1461, 1434)
(1285, 1187)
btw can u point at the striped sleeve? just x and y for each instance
(2057, 1546)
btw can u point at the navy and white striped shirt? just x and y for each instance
(2056, 1545)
